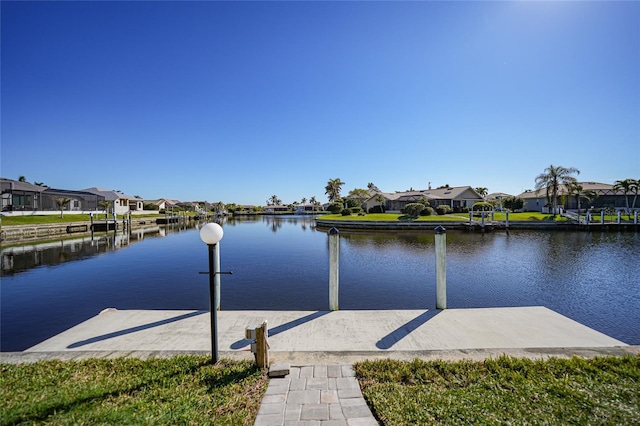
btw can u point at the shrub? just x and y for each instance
(346, 212)
(355, 210)
(443, 209)
(428, 211)
(349, 203)
(413, 209)
(512, 203)
(376, 209)
(335, 208)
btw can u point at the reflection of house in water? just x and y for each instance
(22, 258)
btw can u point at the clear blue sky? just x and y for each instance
(238, 101)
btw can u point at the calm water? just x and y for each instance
(282, 263)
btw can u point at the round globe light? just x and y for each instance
(211, 233)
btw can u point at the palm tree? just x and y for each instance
(333, 188)
(274, 200)
(22, 179)
(552, 178)
(105, 206)
(62, 203)
(482, 191)
(627, 186)
(576, 190)
(313, 202)
(379, 198)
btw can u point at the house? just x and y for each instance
(20, 196)
(276, 209)
(606, 198)
(163, 203)
(455, 197)
(120, 203)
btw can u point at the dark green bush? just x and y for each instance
(355, 210)
(413, 209)
(443, 209)
(427, 211)
(335, 208)
(376, 209)
(346, 212)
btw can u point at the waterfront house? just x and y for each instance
(20, 196)
(537, 201)
(120, 203)
(457, 197)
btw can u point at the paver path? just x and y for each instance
(315, 395)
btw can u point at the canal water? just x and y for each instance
(282, 263)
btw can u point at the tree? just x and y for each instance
(576, 190)
(379, 198)
(551, 180)
(313, 202)
(274, 200)
(61, 203)
(372, 187)
(482, 191)
(359, 195)
(22, 179)
(105, 206)
(333, 188)
(627, 186)
(512, 203)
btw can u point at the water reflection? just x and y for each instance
(21, 258)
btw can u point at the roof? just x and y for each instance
(16, 185)
(449, 193)
(108, 194)
(600, 188)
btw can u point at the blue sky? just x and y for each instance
(238, 101)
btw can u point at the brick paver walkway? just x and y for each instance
(321, 395)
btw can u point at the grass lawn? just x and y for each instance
(180, 390)
(454, 217)
(45, 219)
(505, 390)
(395, 217)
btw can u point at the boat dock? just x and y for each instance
(330, 337)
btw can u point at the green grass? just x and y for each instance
(46, 219)
(453, 217)
(180, 390)
(506, 390)
(395, 217)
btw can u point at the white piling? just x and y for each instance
(619, 217)
(441, 268)
(334, 263)
(602, 217)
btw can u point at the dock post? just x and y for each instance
(262, 346)
(334, 263)
(619, 219)
(507, 219)
(635, 218)
(602, 217)
(441, 268)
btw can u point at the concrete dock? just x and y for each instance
(321, 387)
(312, 337)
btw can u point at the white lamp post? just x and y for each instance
(211, 234)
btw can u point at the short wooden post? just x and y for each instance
(441, 267)
(334, 263)
(602, 217)
(619, 217)
(507, 219)
(635, 217)
(262, 346)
